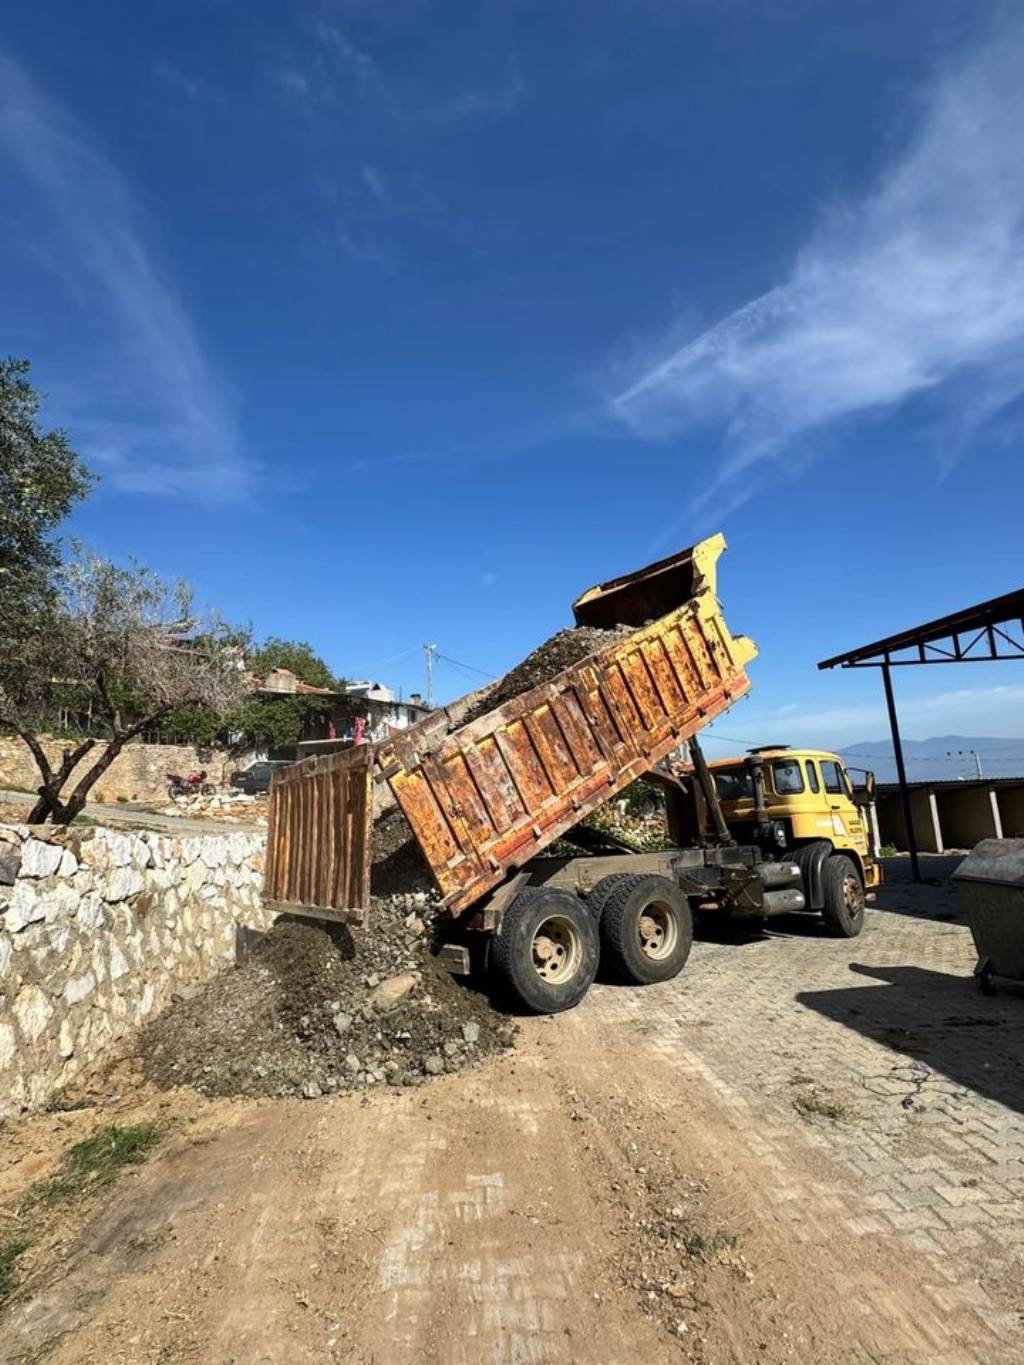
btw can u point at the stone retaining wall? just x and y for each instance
(98, 929)
(137, 774)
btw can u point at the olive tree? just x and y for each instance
(41, 478)
(122, 649)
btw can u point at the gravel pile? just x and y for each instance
(315, 1009)
(398, 865)
(563, 650)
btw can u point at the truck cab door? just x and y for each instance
(847, 825)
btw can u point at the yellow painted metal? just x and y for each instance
(485, 798)
(812, 815)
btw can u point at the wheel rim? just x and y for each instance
(657, 931)
(557, 950)
(853, 896)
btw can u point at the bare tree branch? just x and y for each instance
(120, 643)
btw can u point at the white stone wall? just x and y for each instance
(98, 929)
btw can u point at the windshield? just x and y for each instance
(734, 784)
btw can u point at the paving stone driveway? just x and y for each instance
(882, 1055)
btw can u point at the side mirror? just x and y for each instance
(864, 792)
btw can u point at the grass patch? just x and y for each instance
(10, 1250)
(888, 851)
(812, 1105)
(94, 1162)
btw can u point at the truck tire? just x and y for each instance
(546, 952)
(843, 911)
(646, 929)
(597, 899)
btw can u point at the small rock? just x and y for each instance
(373, 980)
(311, 1091)
(39, 859)
(471, 1033)
(387, 994)
(353, 1064)
(342, 1022)
(676, 1290)
(434, 1066)
(450, 1049)
(10, 861)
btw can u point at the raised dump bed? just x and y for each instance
(484, 798)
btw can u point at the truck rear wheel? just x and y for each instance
(646, 929)
(546, 951)
(597, 899)
(843, 890)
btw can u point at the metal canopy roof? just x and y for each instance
(978, 634)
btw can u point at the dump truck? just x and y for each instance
(803, 805)
(492, 803)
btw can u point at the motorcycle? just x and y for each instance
(188, 786)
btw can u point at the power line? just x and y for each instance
(469, 667)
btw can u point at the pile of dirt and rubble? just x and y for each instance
(315, 1009)
(234, 808)
(564, 649)
(398, 865)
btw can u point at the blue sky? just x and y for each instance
(394, 322)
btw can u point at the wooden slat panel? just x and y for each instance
(318, 835)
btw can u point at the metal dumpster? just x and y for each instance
(990, 882)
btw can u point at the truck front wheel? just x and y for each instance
(843, 891)
(546, 952)
(646, 929)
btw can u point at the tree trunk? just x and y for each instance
(49, 805)
(73, 806)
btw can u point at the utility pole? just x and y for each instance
(430, 651)
(963, 753)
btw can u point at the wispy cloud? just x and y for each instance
(374, 181)
(496, 100)
(915, 289)
(335, 67)
(153, 419)
(360, 247)
(178, 80)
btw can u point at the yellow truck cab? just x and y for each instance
(800, 805)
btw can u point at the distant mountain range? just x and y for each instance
(939, 759)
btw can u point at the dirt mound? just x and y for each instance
(313, 1009)
(563, 650)
(398, 863)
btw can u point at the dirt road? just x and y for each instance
(707, 1170)
(129, 816)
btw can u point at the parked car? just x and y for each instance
(255, 780)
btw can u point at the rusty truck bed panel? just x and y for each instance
(494, 794)
(318, 840)
(485, 798)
